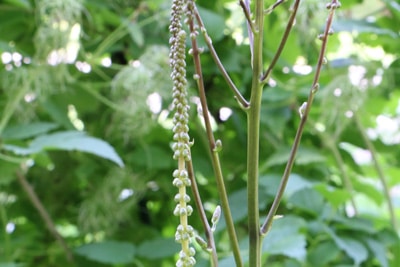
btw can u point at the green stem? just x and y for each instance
(203, 217)
(253, 140)
(239, 97)
(4, 220)
(304, 115)
(212, 146)
(341, 165)
(283, 40)
(378, 168)
(10, 108)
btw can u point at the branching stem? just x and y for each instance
(239, 97)
(283, 40)
(215, 157)
(304, 114)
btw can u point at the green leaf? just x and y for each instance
(12, 264)
(23, 131)
(158, 248)
(304, 156)
(285, 238)
(69, 140)
(214, 23)
(335, 196)
(296, 182)
(379, 250)
(361, 26)
(108, 252)
(308, 200)
(323, 253)
(136, 33)
(352, 247)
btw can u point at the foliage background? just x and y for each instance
(92, 76)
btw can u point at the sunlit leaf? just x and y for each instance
(69, 140)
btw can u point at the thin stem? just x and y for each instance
(343, 173)
(283, 40)
(242, 101)
(253, 140)
(378, 168)
(215, 157)
(275, 5)
(44, 214)
(4, 220)
(203, 217)
(246, 11)
(304, 114)
(250, 25)
(11, 107)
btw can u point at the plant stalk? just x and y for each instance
(253, 139)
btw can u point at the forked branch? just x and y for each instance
(304, 112)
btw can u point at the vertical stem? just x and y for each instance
(212, 144)
(378, 168)
(253, 140)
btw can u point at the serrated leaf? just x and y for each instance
(69, 140)
(108, 252)
(24, 131)
(352, 247)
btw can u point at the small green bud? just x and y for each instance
(203, 244)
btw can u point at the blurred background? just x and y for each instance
(85, 128)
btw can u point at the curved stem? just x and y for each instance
(343, 173)
(212, 146)
(203, 217)
(303, 114)
(378, 168)
(283, 41)
(242, 101)
(10, 108)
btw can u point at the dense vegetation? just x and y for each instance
(85, 126)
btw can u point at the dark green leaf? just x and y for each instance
(24, 131)
(158, 248)
(109, 252)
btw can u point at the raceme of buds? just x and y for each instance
(181, 144)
